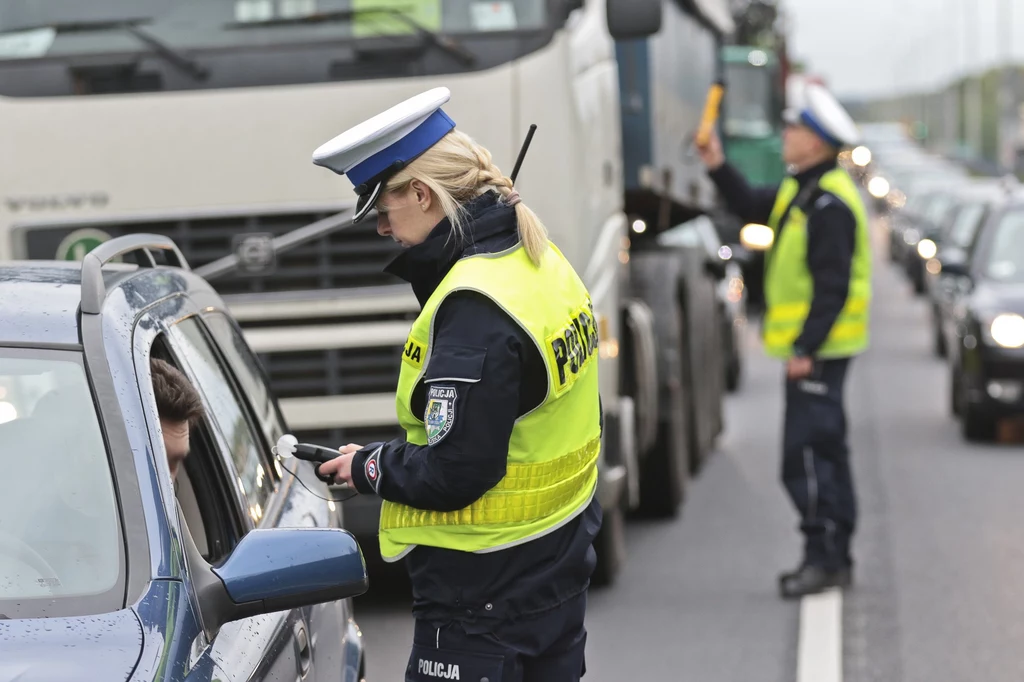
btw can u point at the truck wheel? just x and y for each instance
(610, 546)
(694, 448)
(664, 467)
(735, 371)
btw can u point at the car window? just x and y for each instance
(248, 371)
(228, 413)
(962, 232)
(1005, 261)
(59, 522)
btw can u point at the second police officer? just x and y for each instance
(489, 498)
(817, 293)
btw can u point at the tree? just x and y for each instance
(758, 22)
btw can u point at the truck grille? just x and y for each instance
(349, 257)
(345, 371)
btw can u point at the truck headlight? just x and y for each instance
(757, 237)
(927, 249)
(1007, 330)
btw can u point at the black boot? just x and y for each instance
(812, 580)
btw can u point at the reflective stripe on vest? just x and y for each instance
(551, 474)
(789, 286)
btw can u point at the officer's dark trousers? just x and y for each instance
(816, 464)
(544, 648)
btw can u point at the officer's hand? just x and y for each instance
(341, 466)
(799, 368)
(711, 153)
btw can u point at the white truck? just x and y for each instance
(197, 119)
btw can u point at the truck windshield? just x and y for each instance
(192, 44)
(748, 102)
(59, 524)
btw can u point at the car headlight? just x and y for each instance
(1007, 330)
(878, 187)
(927, 249)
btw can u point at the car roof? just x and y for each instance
(39, 300)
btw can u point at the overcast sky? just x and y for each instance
(869, 47)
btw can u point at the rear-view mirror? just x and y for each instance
(630, 19)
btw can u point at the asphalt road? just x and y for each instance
(938, 595)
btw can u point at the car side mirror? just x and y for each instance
(276, 569)
(955, 267)
(629, 19)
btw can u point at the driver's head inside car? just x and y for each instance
(179, 406)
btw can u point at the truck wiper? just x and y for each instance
(449, 45)
(172, 55)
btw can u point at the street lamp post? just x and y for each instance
(1007, 150)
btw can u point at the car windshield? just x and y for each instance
(937, 209)
(1005, 258)
(92, 28)
(59, 524)
(964, 227)
(748, 102)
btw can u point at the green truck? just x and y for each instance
(752, 112)
(751, 131)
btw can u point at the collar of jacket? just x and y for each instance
(489, 226)
(813, 173)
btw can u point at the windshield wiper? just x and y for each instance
(172, 55)
(449, 45)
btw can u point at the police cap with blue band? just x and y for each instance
(822, 113)
(373, 151)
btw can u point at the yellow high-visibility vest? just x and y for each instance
(789, 287)
(551, 475)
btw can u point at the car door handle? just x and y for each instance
(303, 648)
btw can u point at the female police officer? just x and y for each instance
(489, 497)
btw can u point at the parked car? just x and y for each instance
(238, 570)
(986, 341)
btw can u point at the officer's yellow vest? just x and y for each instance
(789, 287)
(551, 474)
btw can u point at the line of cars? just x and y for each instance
(960, 241)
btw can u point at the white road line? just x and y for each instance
(820, 649)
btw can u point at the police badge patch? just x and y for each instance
(440, 412)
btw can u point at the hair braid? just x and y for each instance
(456, 170)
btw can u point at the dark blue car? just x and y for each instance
(109, 570)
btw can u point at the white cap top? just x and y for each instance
(822, 113)
(372, 151)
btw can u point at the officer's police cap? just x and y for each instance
(822, 113)
(373, 151)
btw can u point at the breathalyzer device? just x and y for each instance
(288, 446)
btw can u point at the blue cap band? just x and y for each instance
(810, 122)
(422, 138)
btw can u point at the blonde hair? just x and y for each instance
(457, 170)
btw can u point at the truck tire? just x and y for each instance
(640, 371)
(610, 545)
(664, 469)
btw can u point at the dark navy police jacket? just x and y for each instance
(831, 235)
(526, 579)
